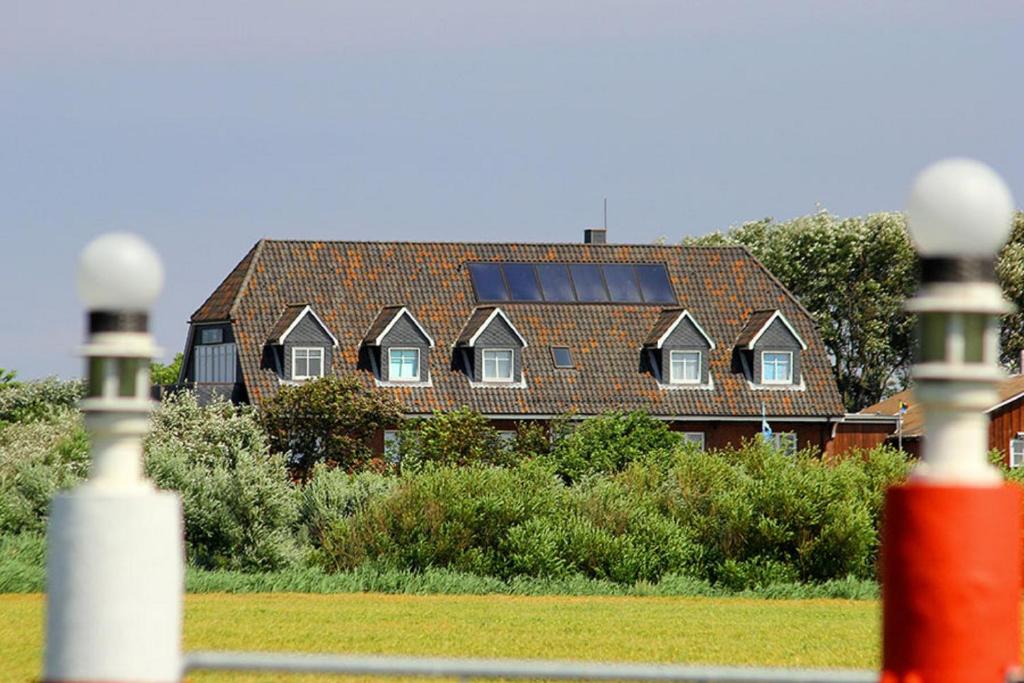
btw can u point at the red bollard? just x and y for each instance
(951, 583)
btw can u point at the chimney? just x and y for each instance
(595, 236)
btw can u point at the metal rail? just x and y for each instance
(439, 667)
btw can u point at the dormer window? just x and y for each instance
(776, 367)
(403, 365)
(498, 365)
(398, 347)
(307, 362)
(677, 350)
(684, 367)
(768, 350)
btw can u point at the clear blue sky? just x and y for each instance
(204, 126)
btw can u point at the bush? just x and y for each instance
(240, 506)
(42, 400)
(330, 495)
(608, 443)
(38, 459)
(330, 420)
(455, 438)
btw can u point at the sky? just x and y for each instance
(204, 126)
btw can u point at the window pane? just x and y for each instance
(775, 367)
(562, 356)
(654, 284)
(488, 282)
(932, 330)
(685, 366)
(211, 336)
(554, 280)
(316, 361)
(621, 283)
(587, 278)
(522, 282)
(497, 364)
(97, 372)
(215, 363)
(404, 364)
(127, 376)
(974, 337)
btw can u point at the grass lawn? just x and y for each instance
(734, 631)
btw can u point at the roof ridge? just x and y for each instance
(611, 245)
(258, 250)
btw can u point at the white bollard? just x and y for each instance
(115, 555)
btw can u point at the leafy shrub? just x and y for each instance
(330, 420)
(37, 459)
(240, 506)
(608, 443)
(331, 494)
(44, 399)
(458, 437)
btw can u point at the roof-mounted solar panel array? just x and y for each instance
(620, 283)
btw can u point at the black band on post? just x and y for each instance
(946, 269)
(117, 321)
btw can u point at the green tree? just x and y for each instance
(853, 275)
(330, 420)
(1010, 269)
(166, 374)
(457, 437)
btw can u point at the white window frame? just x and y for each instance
(788, 380)
(695, 437)
(391, 438)
(511, 365)
(392, 378)
(1017, 461)
(319, 350)
(785, 442)
(672, 379)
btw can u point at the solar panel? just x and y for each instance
(589, 285)
(488, 281)
(554, 280)
(522, 282)
(654, 284)
(621, 283)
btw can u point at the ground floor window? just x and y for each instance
(391, 453)
(1017, 452)
(785, 442)
(695, 438)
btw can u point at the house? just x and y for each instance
(1006, 421)
(704, 338)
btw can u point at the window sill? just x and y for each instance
(689, 386)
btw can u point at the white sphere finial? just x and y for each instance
(959, 208)
(119, 272)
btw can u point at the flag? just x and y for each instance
(766, 430)
(903, 407)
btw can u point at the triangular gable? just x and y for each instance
(386, 319)
(291, 318)
(678, 318)
(480, 321)
(759, 322)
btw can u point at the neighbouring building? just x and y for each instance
(704, 338)
(1005, 430)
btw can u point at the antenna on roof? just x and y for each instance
(605, 213)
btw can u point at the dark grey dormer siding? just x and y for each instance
(776, 338)
(685, 337)
(404, 334)
(497, 335)
(306, 334)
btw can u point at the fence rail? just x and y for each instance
(437, 667)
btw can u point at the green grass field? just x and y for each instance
(734, 631)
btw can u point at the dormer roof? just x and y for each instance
(480, 320)
(667, 323)
(758, 323)
(386, 319)
(293, 314)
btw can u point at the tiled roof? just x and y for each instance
(755, 323)
(662, 325)
(380, 323)
(217, 306)
(291, 312)
(347, 283)
(1010, 389)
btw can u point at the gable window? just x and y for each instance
(404, 365)
(307, 363)
(497, 365)
(1017, 451)
(684, 367)
(562, 357)
(211, 335)
(214, 363)
(777, 367)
